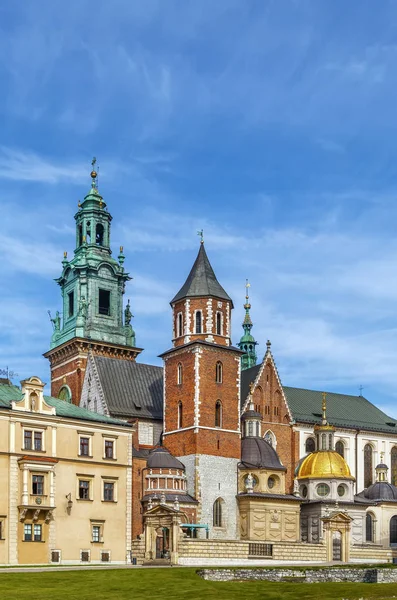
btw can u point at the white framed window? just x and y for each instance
(109, 448)
(97, 528)
(179, 325)
(109, 489)
(198, 322)
(34, 439)
(85, 555)
(85, 444)
(84, 487)
(179, 374)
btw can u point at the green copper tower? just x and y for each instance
(93, 282)
(247, 342)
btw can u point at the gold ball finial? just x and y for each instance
(94, 174)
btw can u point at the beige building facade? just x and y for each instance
(65, 477)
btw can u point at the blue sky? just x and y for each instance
(272, 125)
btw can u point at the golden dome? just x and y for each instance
(325, 464)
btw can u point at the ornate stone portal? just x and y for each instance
(337, 526)
(162, 533)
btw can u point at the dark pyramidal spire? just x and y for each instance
(247, 342)
(202, 280)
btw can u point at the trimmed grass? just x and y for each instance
(172, 584)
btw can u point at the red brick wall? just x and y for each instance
(201, 304)
(205, 441)
(268, 399)
(72, 374)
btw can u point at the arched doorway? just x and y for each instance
(163, 542)
(393, 530)
(337, 545)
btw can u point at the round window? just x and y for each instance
(341, 490)
(271, 482)
(303, 491)
(322, 490)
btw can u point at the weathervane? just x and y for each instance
(8, 374)
(201, 234)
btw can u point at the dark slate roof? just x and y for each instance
(343, 410)
(251, 414)
(131, 389)
(201, 281)
(143, 453)
(379, 491)
(160, 458)
(257, 453)
(10, 393)
(203, 343)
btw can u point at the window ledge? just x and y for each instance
(85, 456)
(109, 501)
(34, 541)
(93, 542)
(84, 500)
(108, 458)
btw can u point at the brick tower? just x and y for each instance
(202, 396)
(92, 285)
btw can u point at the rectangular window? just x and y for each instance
(96, 533)
(84, 490)
(2, 530)
(27, 531)
(27, 439)
(38, 436)
(38, 485)
(37, 533)
(104, 302)
(108, 491)
(109, 446)
(71, 303)
(84, 446)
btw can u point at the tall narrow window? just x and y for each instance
(99, 234)
(324, 441)
(340, 448)
(217, 513)
(219, 323)
(180, 374)
(198, 321)
(393, 464)
(88, 233)
(71, 304)
(180, 415)
(218, 414)
(368, 465)
(38, 440)
(179, 325)
(80, 234)
(38, 485)
(104, 302)
(219, 372)
(27, 439)
(369, 528)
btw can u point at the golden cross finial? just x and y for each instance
(93, 163)
(324, 406)
(201, 234)
(247, 286)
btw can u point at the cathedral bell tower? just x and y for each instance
(92, 285)
(202, 396)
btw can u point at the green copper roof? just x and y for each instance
(247, 341)
(11, 393)
(202, 280)
(343, 410)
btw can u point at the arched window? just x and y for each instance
(218, 518)
(218, 323)
(65, 393)
(393, 464)
(198, 321)
(369, 528)
(180, 374)
(88, 233)
(270, 438)
(340, 448)
(180, 415)
(99, 234)
(310, 445)
(219, 372)
(179, 325)
(80, 234)
(218, 414)
(393, 530)
(368, 465)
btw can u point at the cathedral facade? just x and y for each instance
(221, 448)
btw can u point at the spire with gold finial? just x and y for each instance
(94, 175)
(247, 342)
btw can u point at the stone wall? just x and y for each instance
(331, 574)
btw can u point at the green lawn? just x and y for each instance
(171, 584)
